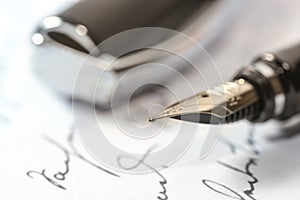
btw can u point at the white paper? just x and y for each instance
(37, 128)
(41, 122)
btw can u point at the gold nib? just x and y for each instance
(229, 102)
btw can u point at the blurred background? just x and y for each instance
(254, 27)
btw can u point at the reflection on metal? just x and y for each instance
(66, 40)
(223, 103)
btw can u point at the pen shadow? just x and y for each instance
(287, 130)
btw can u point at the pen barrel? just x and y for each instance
(276, 78)
(290, 78)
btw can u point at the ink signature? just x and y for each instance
(73, 153)
(252, 160)
(163, 182)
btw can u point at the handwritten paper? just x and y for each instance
(42, 156)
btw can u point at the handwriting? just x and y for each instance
(61, 175)
(163, 182)
(227, 191)
(252, 161)
(251, 141)
(75, 153)
(30, 173)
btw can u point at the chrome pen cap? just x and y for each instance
(87, 51)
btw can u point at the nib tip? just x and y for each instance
(151, 119)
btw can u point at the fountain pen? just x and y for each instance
(268, 88)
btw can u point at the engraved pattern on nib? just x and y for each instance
(231, 101)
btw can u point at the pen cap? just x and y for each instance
(105, 18)
(69, 40)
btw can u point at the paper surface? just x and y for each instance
(42, 156)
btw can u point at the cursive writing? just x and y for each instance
(252, 161)
(227, 191)
(43, 174)
(163, 182)
(73, 152)
(222, 189)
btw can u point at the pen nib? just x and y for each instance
(168, 112)
(229, 102)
